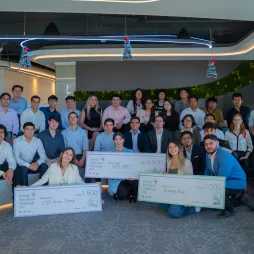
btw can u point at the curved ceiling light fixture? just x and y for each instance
(159, 39)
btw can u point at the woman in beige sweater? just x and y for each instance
(178, 164)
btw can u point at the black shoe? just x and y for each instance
(132, 199)
(115, 197)
(226, 214)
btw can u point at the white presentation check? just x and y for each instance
(123, 165)
(200, 191)
(61, 199)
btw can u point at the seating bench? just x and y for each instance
(6, 191)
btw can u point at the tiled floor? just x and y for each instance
(124, 228)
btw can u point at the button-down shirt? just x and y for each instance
(76, 139)
(188, 154)
(48, 114)
(104, 142)
(24, 151)
(212, 157)
(120, 115)
(251, 119)
(198, 115)
(245, 113)
(6, 154)
(37, 118)
(219, 134)
(135, 141)
(180, 106)
(64, 116)
(217, 113)
(158, 137)
(10, 120)
(53, 146)
(19, 106)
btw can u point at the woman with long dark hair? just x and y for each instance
(147, 116)
(136, 103)
(240, 141)
(170, 116)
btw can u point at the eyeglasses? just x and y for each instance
(187, 138)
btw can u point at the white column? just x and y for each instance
(2, 81)
(65, 81)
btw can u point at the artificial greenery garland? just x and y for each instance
(241, 76)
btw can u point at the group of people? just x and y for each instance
(54, 144)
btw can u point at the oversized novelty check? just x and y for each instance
(61, 199)
(123, 165)
(200, 191)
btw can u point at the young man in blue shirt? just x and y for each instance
(52, 140)
(51, 110)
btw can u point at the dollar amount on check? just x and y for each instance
(200, 191)
(123, 165)
(61, 199)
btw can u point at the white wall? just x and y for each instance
(97, 76)
(32, 85)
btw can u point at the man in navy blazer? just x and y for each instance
(221, 163)
(159, 138)
(136, 140)
(194, 153)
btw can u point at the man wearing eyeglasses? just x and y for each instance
(194, 153)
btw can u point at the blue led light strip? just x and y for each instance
(159, 39)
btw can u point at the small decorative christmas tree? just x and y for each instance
(24, 61)
(127, 54)
(211, 71)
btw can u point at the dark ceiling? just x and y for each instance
(224, 32)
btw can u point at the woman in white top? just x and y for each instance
(178, 164)
(240, 141)
(147, 116)
(62, 172)
(136, 103)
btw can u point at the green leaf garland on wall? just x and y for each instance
(241, 76)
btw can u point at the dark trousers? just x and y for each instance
(127, 188)
(16, 175)
(146, 127)
(233, 198)
(24, 172)
(125, 128)
(244, 163)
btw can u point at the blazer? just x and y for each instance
(226, 165)
(198, 159)
(196, 136)
(143, 143)
(166, 138)
(53, 175)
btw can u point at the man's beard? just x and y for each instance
(213, 150)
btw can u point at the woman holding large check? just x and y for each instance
(62, 172)
(118, 188)
(178, 164)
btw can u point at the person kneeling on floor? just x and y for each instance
(221, 163)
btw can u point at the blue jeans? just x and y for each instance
(177, 211)
(24, 172)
